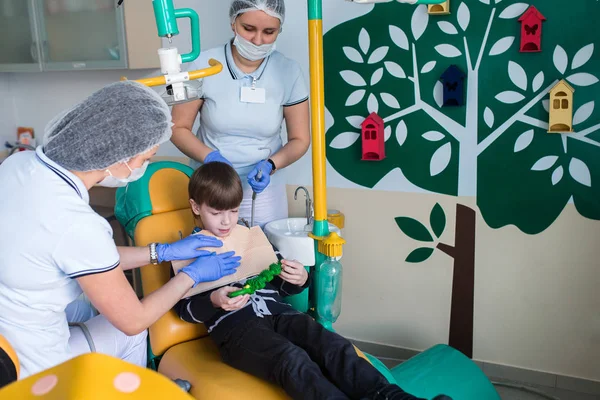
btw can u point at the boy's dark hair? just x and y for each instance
(217, 185)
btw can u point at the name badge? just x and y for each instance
(253, 95)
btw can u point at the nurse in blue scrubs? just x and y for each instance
(243, 108)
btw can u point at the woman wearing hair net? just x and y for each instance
(53, 246)
(243, 107)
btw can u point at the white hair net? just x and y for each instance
(274, 8)
(114, 124)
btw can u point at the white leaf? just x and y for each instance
(583, 56)
(464, 16)
(580, 172)
(352, 54)
(509, 97)
(352, 78)
(364, 41)
(440, 159)
(401, 133)
(485, 1)
(447, 50)
(344, 140)
(433, 136)
(546, 105)
(390, 100)
(376, 77)
(419, 21)
(561, 60)
(372, 104)
(517, 75)
(438, 93)
(524, 140)
(557, 175)
(428, 67)
(447, 28)
(544, 163)
(583, 113)
(355, 97)
(378, 55)
(355, 120)
(502, 45)
(514, 10)
(498, 1)
(582, 79)
(387, 133)
(488, 117)
(399, 37)
(538, 81)
(395, 69)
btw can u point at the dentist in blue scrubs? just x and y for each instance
(243, 108)
(54, 247)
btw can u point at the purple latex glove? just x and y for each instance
(187, 248)
(212, 267)
(260, 177)
(215, 156)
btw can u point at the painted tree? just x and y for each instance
(496, 147)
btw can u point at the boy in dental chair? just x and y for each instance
(262, 335)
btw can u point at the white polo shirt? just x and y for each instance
(245, 133)
(49, 235)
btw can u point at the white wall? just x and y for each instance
(7, 112)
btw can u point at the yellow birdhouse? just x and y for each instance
(561, 108)
(439, 9)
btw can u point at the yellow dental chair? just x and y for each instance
(9, 363)
(156, 209)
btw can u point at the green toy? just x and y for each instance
(258, 282)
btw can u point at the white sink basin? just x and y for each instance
(290, 236)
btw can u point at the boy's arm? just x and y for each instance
(197, 309)
(286, 288)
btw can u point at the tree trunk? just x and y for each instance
(463, 281)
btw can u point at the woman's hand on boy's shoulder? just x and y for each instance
(293, 272)
(220, 299)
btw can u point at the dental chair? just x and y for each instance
(156, 209)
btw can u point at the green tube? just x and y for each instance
(195, 32)
(315, 9)
(164, 13)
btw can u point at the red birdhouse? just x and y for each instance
(373, 138)
(531, 30)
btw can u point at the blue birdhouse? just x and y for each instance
(454, 86)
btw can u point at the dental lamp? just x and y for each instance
(181, 86)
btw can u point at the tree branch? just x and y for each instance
(446, 248)
(485, 143)
(416, 80)
(402, 113)
(589, 130)
(468, 54)
(538, 123)
(485, 38)
(454, 128)
(584, 139)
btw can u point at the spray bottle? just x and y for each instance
(328, 285)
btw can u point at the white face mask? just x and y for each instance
(250, 51)
(136, 173)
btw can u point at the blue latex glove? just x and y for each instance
(212, 267)
(259, 182)
(187, 248)
(215, 156)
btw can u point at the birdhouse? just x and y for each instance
(373, 138)
(531, 30)
(439, 9)
(454, 86)
(561, 108)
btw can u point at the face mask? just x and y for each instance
(250, 51)
(137, 173)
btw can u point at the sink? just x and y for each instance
(290, 236)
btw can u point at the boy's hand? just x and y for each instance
(220, 299)
(293, 272)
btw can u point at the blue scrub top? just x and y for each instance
(246, 133)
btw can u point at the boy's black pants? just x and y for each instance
(305, 359)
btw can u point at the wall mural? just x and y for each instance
(468, 100)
